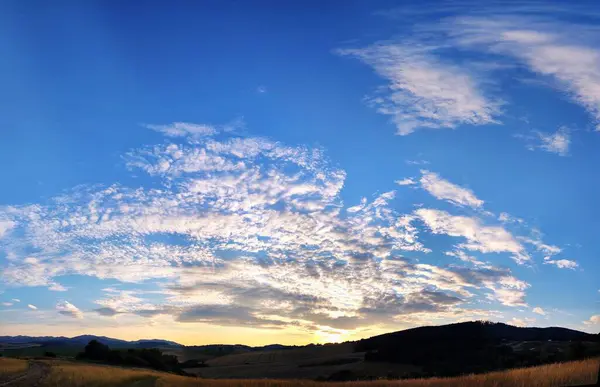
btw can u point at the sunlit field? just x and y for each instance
(65, 374)
(79, 375)
(12, 366)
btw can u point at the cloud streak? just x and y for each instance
(444, 190)
(553, 49)
(423, 91)
(478, 237)
(561, 263)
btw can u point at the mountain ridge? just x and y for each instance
(84, 339)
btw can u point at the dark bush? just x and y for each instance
(146, 357)
(193, 363)
(342, 376)
(95, 350)
(115, 357)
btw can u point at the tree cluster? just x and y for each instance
(145, 357)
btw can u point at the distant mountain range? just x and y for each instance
(84, 339)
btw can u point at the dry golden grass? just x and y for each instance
(563, 374)
(12, 366)
(80, 375)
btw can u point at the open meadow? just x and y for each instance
(11, 366)
(71, 374)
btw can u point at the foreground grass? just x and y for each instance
(80, 375)
(76, 375)
(12, 366)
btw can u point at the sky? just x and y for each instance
(295, 172)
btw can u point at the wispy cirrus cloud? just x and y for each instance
(548, 47)
(479, 237)
(423, 90)
(488, 238)
(181, 129)
(561, 263)
(557, 142)
(443, 189)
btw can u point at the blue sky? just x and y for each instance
(264, 172)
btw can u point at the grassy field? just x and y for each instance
(76, 375)
(12, 366)
(299, 363)
(284, 356)
(79, 375)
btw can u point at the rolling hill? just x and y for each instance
(82, 340)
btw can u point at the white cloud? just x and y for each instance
(424, 92)
(486, 239)
(406, 181)
(505, 217)
(16, 300)
(557, 142)
(561, 263)
(5, 227)
(417, 162)
(444, 190)
(539, 310)
(546, 249)
(547, 48)
(464, 257)
(56, 287)
(32, 307)
(593, 320)
(181, 129)
(7, 303)
(67, 309)
(521, 322)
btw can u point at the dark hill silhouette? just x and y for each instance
(480, 330)
(475, 346)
